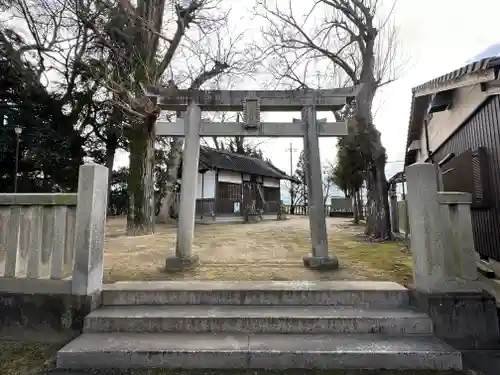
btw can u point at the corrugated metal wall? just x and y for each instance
(482, 129)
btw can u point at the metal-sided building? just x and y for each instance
(455, 123)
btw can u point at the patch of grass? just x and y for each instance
(17, 358)
(384, 261)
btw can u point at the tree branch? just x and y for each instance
(185, 16)
(218, 68)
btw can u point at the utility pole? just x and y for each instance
(291, 150)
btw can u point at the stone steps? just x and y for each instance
(258, 351)
(332, 293)
(257, 319)
(257, 325)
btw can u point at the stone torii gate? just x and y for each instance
(191, 126)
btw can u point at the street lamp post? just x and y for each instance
(18, 130)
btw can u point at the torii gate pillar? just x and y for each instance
(184, 257)
(319, 258)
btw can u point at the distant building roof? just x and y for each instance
(217, 159)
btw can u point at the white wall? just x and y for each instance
(271, 182)
(208, 185)
(443, 124)
(230, 177)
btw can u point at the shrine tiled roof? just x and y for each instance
(217, 159)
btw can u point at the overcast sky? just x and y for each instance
(438, 36)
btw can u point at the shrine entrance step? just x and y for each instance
(257, 325)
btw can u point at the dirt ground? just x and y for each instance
(269, 250)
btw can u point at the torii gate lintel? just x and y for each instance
(170, 98)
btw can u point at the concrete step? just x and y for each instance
(360, 293)
(260, 351)
(257, 319)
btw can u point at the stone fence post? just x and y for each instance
(427, 231)
(393, 204)
(90, 230)
(444, 267)
(441, 233)
(460, 255)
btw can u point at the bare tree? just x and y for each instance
(175, 149)
(295, 194)
(61, 47)
(346, 35)
(56, 45)
(226, 49)
(328, 182)
(138, 44)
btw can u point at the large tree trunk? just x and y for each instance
(359, 206)
(175, 153)
(355, 207)
(173, 163)
(140, 218)
(112, 142)
(111, 146)
(378, 223)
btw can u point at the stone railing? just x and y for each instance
(445, 279)
(402, 217)
(441, 237)
(53, 243)
(459, 239)
(37, 234)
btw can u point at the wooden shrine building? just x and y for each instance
(232, 185)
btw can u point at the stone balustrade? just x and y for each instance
(442, 242)
(53, 243)
(460, 257)
(445, 278)
(37, 234)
